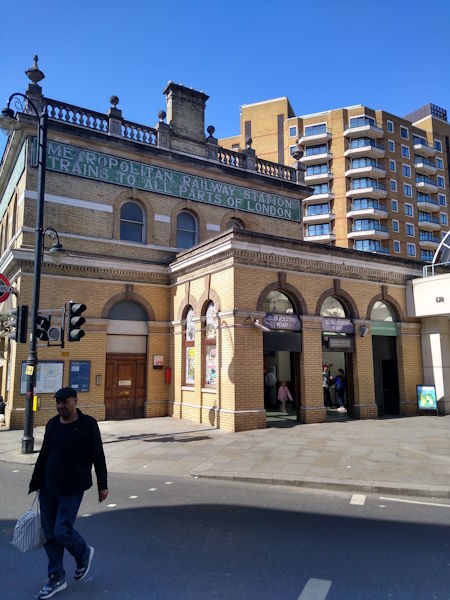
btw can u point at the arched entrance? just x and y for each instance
(337, 357)
(126, 361)
(384, 351)
(282, 347)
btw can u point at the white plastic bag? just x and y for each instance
(28, 534)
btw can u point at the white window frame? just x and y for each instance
(439, 177)
(407, 186)
(408, 246)
(403, 172)
(393, 181)
(292, 149)
(412, 209)
(390, 123)
(439, 161)
(438, 146)
(413, 234)
(402, 127)
(392, 163)
(399, 246)
(394, 205)
(393, 145)
(295, 128)
(409, 152)
(445, 199)
(445, 221)
(395, 225)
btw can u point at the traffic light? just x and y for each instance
(75, 321)
(18, 324)
(42, 326)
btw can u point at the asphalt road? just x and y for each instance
(184, 538)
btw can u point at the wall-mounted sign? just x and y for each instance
(387, 328)
(158, 361)
(129, 173)
(49, 377)
(80, 373)
(285, 321)
(337, 325)
(340, 343)
(122, 382)
(426, 397)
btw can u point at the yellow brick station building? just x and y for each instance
(201, 294)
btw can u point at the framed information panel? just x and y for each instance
(49, 377)
(80, 373)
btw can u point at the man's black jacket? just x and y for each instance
(86, 450)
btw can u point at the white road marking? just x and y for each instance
(16, 471)
(168, 482)
(133, 497)
(111, 505)
(152, 489)
(315, 589)
(358, 499)
(382, 506)
(415, 502)
(86, 515)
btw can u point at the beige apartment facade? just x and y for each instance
(190, 260)
(380, 182)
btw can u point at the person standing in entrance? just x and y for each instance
(2, 411)
(283, 395)
(63, 472)
(326, 380)
(340, 388)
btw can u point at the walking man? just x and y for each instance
(63, 471)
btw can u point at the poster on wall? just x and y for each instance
(49, 377)
(211, 370)
(426, 397)
(190, 366)
(80, 373)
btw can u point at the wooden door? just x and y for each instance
(125, 386)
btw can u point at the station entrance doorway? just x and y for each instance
(384, 351)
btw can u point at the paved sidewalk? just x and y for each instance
(408, 456)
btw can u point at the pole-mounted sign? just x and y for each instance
(5, 288)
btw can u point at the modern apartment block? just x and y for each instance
(380, 181)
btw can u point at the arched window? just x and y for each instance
(381, 312)
(277, 302)
(131, 223)
(235, 224)
(189, 348)
(186, 230)
(210, 346)
(332, 308)
(127, 310)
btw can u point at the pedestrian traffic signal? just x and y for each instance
(75, 320)
(42, 327)
(18, 324)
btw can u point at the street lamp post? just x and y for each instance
(9, 122)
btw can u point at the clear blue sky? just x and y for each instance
(391, 54)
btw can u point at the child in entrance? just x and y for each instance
(283, 395)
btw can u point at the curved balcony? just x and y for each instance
(318, 178)
(429, 223)
(364, 147)
(423, 147)
(314, 159)
(312, 136)
(370, 188)
(367, 209)
(370, 247)
(429, 241)
(363, 126)
(316, 198)
(426, 203)
(424, 166)
(370, 232)
(367, 170)
(319, 218)
(425, 184)
(325, 237)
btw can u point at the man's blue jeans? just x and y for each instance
(58, 514)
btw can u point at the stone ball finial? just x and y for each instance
(211, 129)
(161, 115)
(248, 143)
(297, 154)
(34, 74)
(114, 101)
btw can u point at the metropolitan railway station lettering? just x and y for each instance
(121, 171)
